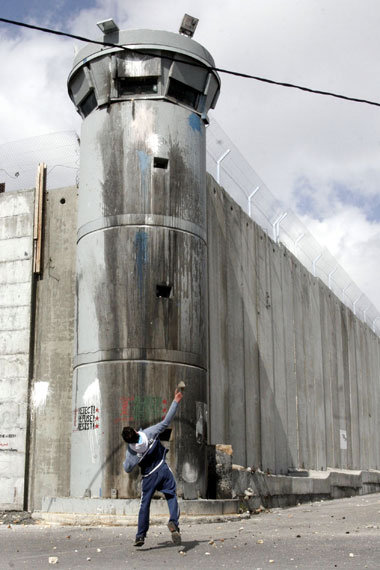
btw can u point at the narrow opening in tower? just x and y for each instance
(88, 104)
(159, 162)
(138, 85)
(183, 93)
(163, 290)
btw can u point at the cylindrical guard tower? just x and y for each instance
(141, 255)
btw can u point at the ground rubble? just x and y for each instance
(16, 517)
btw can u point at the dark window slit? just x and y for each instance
(163, 290)
(159, 162)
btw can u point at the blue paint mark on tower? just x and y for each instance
(141, 245)
(144, 160)
(195, 122)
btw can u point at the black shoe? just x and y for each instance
(139, 541)
(174, 529)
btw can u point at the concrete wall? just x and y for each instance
(51, 386)
(294, 376)
(36, 347)
(16, 253)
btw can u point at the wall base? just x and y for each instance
(124, 512)
(256, 489)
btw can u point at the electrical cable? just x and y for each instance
(217, 69)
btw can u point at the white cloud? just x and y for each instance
(34, 96)
(355, 242)
(284, 134)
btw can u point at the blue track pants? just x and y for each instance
(161, 480)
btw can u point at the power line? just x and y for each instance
(217, 69)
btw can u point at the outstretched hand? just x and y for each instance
(178, 396)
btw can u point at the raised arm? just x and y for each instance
(156, 429)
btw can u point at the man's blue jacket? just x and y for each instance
(133, 458)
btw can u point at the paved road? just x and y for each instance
(343, 533)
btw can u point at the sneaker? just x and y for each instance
(139, 541)
(174, 529)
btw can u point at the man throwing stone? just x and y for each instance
(146, 450)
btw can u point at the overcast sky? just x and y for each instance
(321, 156)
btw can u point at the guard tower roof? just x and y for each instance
(146, 39)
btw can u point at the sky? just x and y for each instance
(320, 156)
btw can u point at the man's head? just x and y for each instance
(130, 435)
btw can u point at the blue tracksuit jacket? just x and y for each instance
(155, 472)
(156, 451)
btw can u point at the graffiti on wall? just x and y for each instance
(86, 418)
(137, 410)
(142, 409)
(7, 445)
(9, 426)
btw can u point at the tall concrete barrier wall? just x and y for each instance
(36, 348)
(294, 375)
(51, 383)
(16, 255)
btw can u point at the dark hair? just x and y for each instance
(129, 435)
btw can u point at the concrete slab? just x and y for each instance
(217, 302)
(270, 490)
(51, 408)
(16, 246)
(280, 412)
(124, 512)
(288, 265)
(265, 340)
(251, 352)
(131, 506)
(299, 355)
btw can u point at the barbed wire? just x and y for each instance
(232, 171)
(60, 151)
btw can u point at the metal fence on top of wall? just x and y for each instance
(232, 171)
(60, 151)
